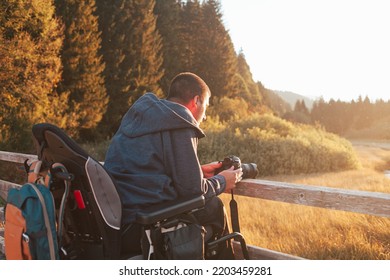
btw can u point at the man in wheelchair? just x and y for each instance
(153, 160)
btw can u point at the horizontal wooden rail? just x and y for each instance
(4, 187)
(16, 157)
(363, 202)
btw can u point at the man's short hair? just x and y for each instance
(185, 86)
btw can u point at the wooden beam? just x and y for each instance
(363, 202)
(16, 157)
(5, 186)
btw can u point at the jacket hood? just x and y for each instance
(149, 114)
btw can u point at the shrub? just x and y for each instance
(277, 146)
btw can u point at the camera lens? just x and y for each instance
(249, 170)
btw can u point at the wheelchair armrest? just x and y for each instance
(169, 209)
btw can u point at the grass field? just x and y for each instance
(316, 233)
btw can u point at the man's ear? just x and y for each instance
(197, 100)
(194, 102)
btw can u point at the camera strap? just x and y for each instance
(234, 214)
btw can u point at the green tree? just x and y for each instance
(364, 113)
(168, 25)
(146, 57)
(131, 49)
(253, 96)
(114, 22)
(273, 101)
(189, 37)
(300, 107)
(195, 39)
(300, 114)
(30, 68)
(334, 116)
(218, 60)
(83, 66)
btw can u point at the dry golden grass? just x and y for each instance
(316, 233)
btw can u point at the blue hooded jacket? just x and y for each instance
(153, 156)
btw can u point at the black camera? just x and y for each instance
(249, 170)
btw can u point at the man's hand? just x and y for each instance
(209, 169)
(231, 177)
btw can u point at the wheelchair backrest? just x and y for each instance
(93, 210)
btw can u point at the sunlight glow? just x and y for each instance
(335, 49)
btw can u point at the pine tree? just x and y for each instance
(318, 111)
(364, 114)
(146, 57)
(83, 66)
(300, 114)
(168, 25)
(218, 58)
(131, 48)
(198, 42)
(253, 96)
(300, 107)
(180, 25)
(114, 22)
(30, 68)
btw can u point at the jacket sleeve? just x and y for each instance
(184, 167)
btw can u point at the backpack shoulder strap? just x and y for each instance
(46, 218)
(36, 173)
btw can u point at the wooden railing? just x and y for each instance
(363, 202)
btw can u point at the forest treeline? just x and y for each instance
(81, 64)
(357, 118)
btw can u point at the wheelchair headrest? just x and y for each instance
(52, 143)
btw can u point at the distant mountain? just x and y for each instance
(277, 104)
(291, 98)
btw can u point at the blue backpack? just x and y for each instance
(30, 224)
(33, 222)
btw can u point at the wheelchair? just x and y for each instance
(93, 209)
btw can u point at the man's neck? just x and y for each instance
(177, 100)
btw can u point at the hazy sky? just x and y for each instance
(335, 49)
